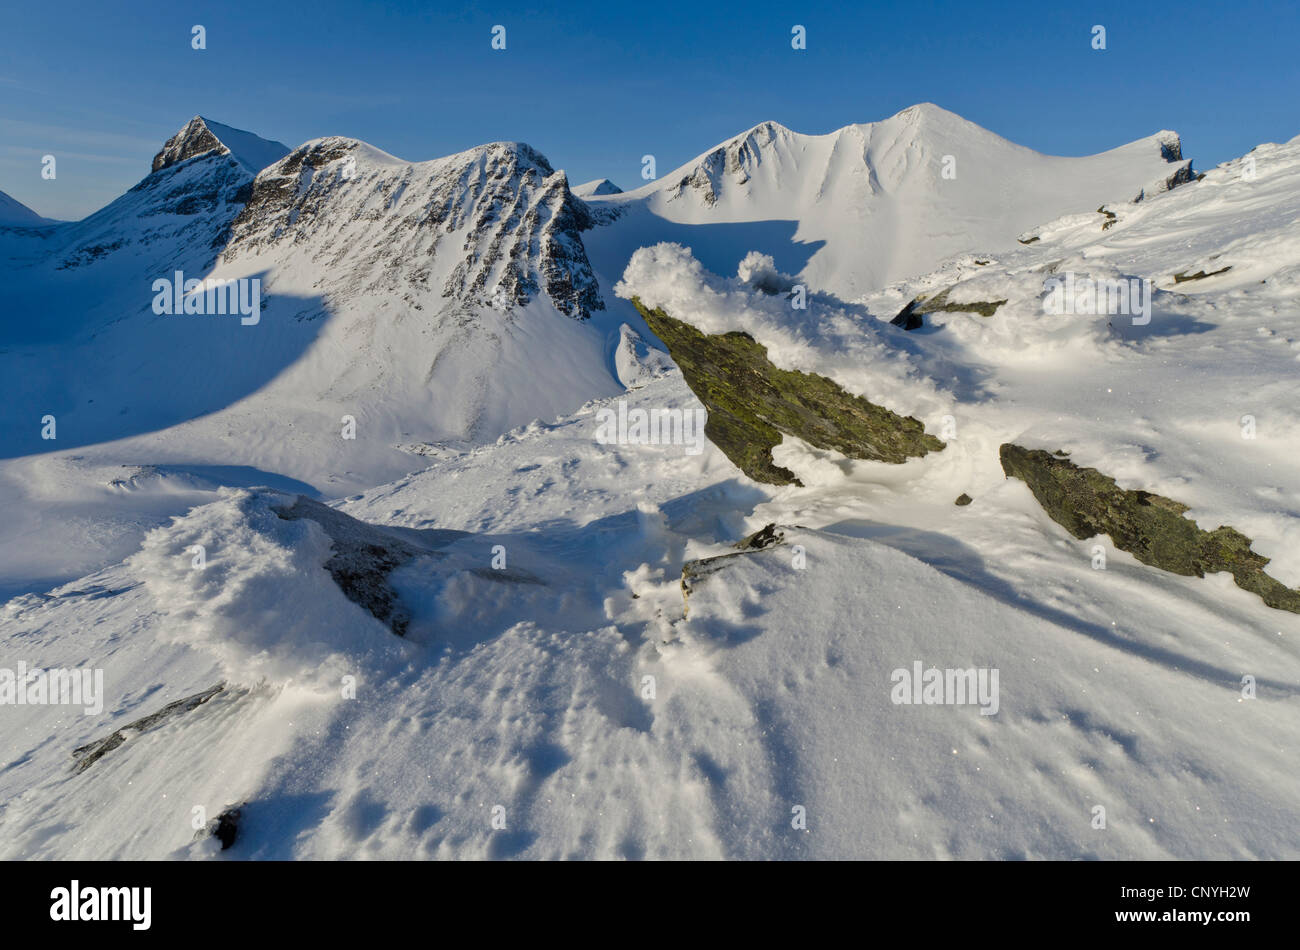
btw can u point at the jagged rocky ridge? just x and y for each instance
(493, 225)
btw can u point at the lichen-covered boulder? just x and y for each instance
(752, 404)
(1150, 527)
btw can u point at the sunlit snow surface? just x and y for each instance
(526, 702)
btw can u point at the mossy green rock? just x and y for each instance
(1150, 527)
(939, 303)
(752, 403)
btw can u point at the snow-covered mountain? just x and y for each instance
(202, 136)
(870, 204)
(482, 628)
(428, 301)
(601, 186)
(14, 213)
(496, 225)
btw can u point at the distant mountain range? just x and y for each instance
(468, 294)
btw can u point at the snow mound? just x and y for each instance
(262, 603)
(636, 362)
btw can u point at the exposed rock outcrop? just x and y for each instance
(200, 136)
(87, 755)
(194, 139)
(695, 571)
(909, 318)
(225, 827)
(752, 403)
(1182, 276)
(1150, 527)
(364, 555)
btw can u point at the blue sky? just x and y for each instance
(594, 86)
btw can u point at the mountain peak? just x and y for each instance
(601, 186)
(768, 128)
(925, 110)
(199, 136)
(13, 213)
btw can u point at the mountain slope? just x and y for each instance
(200, 136)
(601, 186)
(467, 642)
(390, 292)
(14, 213)
(452, 314)
(495, 225)
(773, 691)
(871, 204)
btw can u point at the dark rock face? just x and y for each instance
(195, 139)
(764, 537)
(751, 403)
(727, 163)
(225, 827)
(1150, 527)
(909, 318)
(87, 755)
(963, 500)
(1183, 176)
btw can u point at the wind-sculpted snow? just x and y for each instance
(257, 563)
(777, 689)
(474, 609)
